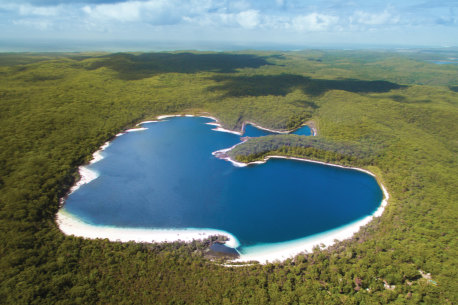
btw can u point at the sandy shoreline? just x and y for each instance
(86, 174)
(71, 225)
(265, 253)
(276, 130)
(136, 129)
(219, 126)
(284, 250)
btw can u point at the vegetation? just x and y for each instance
(315, 148)
(392, 113)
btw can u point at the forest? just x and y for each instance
(392, 113)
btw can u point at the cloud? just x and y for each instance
(126, 11)
(153, 11)
(314, 22)
(38, 24)
(367, 18)
(64, 2)
(248, 19)
(447, 21)
(29, 10)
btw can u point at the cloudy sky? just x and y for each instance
(292, 22)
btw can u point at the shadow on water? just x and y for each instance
(261, 85)
(133, 66)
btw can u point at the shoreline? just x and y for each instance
(281, 251)
(312, 128)
(219, 126)
(85, 173)
(266, 129)
(265, 253)
(71, 225)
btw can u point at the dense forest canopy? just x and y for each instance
(392, 113)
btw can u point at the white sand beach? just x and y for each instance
(269, 253)
(161, 117)
(86, 174)
(136, 129)
(70, 225)
(263, 128)
(280, 251)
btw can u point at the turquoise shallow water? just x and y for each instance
(167, 177)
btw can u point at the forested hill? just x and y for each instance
(394, 114)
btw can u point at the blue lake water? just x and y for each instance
(167, 177)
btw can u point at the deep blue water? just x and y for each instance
(167, 177)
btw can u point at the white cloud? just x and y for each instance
(235, 6)
(248, 19)
(125, 11)
(36, 24)
(152, 11)
(29, 10)
(314, 22)
(384, 17)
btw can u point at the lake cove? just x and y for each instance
(162, 183)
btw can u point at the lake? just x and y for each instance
(166, 177)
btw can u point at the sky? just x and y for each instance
(307, 23)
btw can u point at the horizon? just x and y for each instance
(74, 46)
